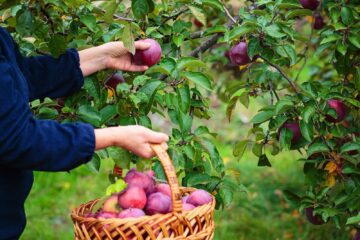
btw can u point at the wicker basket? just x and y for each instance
(195, 224)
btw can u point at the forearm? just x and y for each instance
(104, 138)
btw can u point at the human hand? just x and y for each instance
(112, 55)
(136, 139)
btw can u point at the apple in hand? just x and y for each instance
(340, 109)
(150, 56)
(309, 4)
(239, 55)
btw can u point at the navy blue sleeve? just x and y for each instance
(51, 77)
(32, 144)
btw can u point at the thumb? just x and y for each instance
(141, 45)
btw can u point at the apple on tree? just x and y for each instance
(239, 55)
(294, 127)
(309, 4)
(319, 22)
(314, 219)
(340, 109)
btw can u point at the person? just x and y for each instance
(28, 144)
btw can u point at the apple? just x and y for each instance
(114, 80)
(184, 199)
(197, 23)
(111, 204)
(150, 56)
(309, 4)
(199, 197)
(319, 22)
(135, 178)
(164, 188)
(106, 215)
(151, 173)
(187, 207)
(340, 109)
(158, 203)
(131, 213)
(239, 55)
(314, 219)
(294, 127)
(132, 197)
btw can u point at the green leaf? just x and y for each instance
(350, 146)
(24, 23)
(330, 38)
(215, 29)
(317, 148)
(346, 15)
(352, 101)
(297, 13)
(165, 66)
(120, 156)
(107, 113)
(47, 113)
(239, 148)
(308, 113)
(89, 115)
(291, 197)
(244, 99)
(184, 98)
(110, 8)
(94, 164)
(116, 187)
(238, 32)
(254, 47)
(264, 161)
(128, 38)
(191, 62)
(291, 53)
(230, 107)
(274, 31)
(353, 220)
(198, 13)
(89, 21)
(283, 105)
(198, 78)
(307, 130)
(140, 8)
(257, 149)
(354, 39)
(214, 3)
(285, 138)
(198, 178)
(262, 117)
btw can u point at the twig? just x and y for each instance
(116, 16)
(228, 14)
(176, 15)
(282, 74)
(274, 91)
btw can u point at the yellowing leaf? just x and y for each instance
(330, 167)
(330, 181)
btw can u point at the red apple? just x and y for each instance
(158, 203)
(197, 23)
(150, 173)
(294, 127)
(164, 188)
(132, 197)
(314, 219)
(111, 204)
(309, 4)
(184, 199)
(106, 215)
(135, 178)
(340, 109)
(319, 22)
(239, 55)
(114, 80)
(150, 56)
(131, 213)
(199, 197)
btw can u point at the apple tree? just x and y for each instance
(303, 56)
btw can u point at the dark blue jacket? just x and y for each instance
(27, 144)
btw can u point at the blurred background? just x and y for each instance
(261, 212)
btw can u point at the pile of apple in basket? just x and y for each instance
(143, 196)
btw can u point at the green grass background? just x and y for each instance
(260, 214)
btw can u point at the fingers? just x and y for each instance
(141, 45)
(137, 68)
(156, 137)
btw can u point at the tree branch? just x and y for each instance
(228, 14)
(174, 16)
(282, 74)
(117, 17)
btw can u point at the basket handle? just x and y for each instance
(170, 173)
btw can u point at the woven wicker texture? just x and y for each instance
(195, 224)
